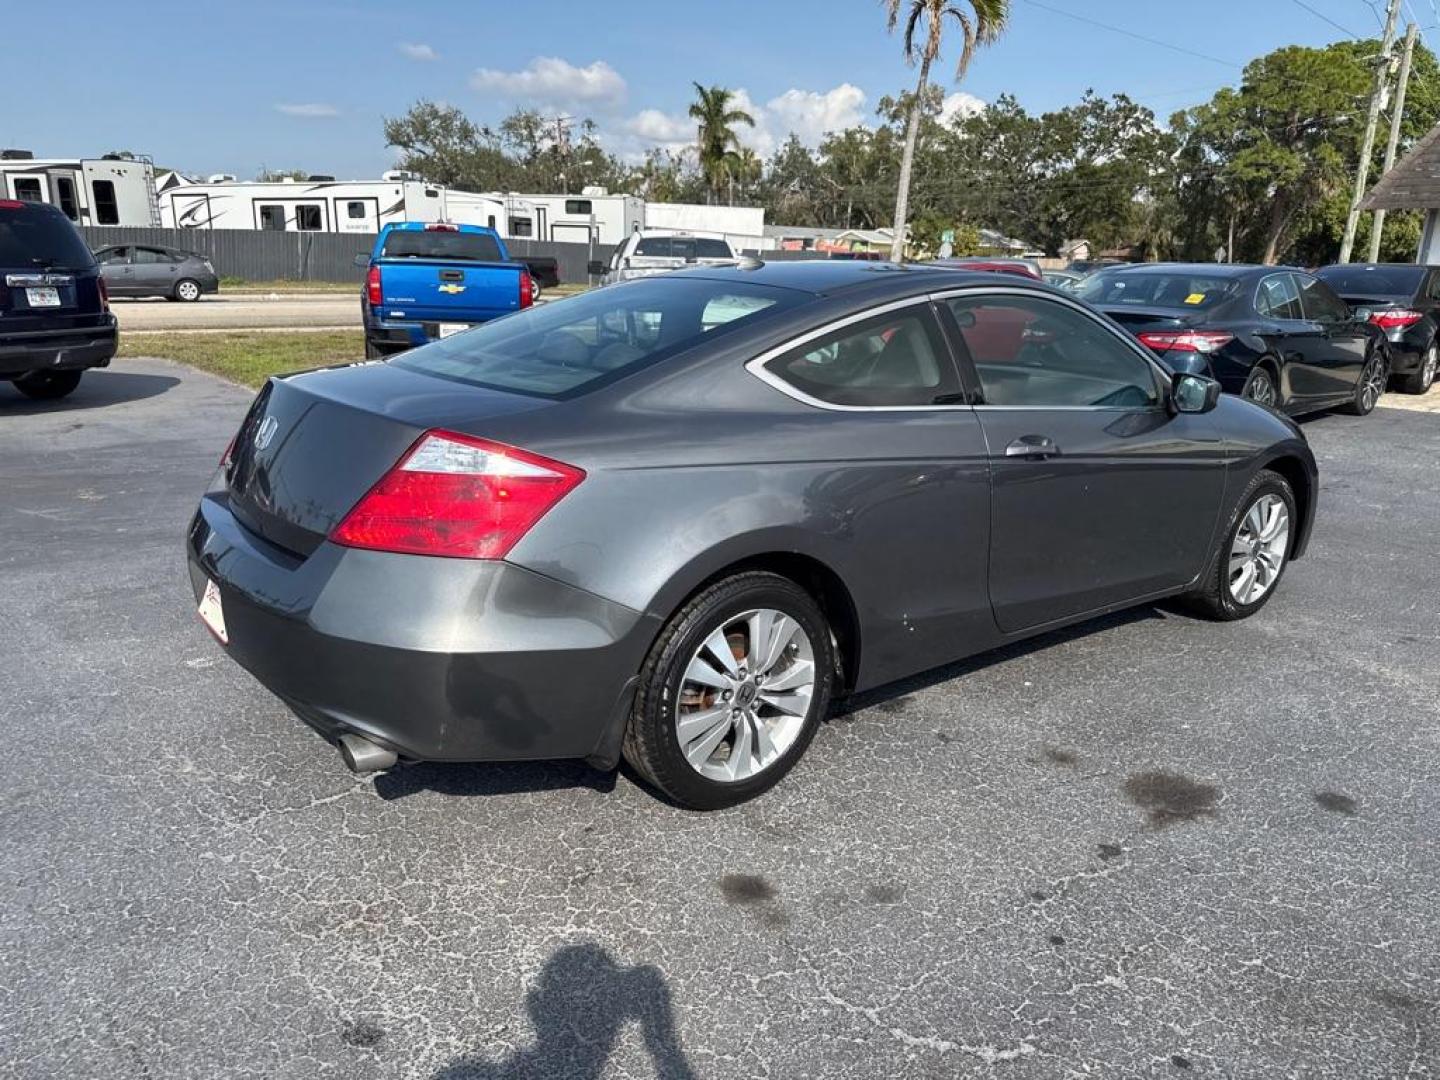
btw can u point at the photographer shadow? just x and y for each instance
(578, 1008)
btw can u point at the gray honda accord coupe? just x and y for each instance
(673, 520)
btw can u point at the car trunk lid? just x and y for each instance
(313, 444)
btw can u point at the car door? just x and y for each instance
(155, 271)
(1100, 495)
(1297, 342)
(115, 269)
(1344, 341)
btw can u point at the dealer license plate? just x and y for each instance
(43, 297)
(213, 613)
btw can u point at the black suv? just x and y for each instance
(55, 317)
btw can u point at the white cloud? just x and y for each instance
(553, 81)
(417, 51)
(313, 110)
(960, 104)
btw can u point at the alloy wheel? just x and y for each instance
(188, 291)
(1261, 389)
(1372, 384)
(1257, 554)
(745, 694)
(1429, 366)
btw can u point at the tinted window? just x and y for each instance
(42, 237)
(521, 226)
(150, 256)
(1276, 298)
(683, 247)
(561, 349)
(577, 206)
(272, 218)
(1158, 288)
(1373, 280)
(1037, 352)
(107, 209)
(307, 218)
(893, 359)
(65, 197)
(658, 247)
(27, 189)
(436, 244)
(1319, 302)
(712, 249)
(108, 256)
(355, 209)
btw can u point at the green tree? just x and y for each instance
(716, 140)
(981, 23)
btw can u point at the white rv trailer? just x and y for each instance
(593, 216)
(89, 191)
(319, 204)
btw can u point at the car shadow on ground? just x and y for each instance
(926, 679)
(454, 778)
(578, 1007)
(97, 389)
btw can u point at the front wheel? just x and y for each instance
(47, 385)
(187, 291)
(1371, 385)
(732, 691)
(1254, 554)
(1260, 388)
(1419, 381)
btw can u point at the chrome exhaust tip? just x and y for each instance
(363, 756)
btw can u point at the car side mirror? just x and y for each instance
(362, 259)
(596, 267)
(1194, 393)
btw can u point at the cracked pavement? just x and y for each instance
(1147, 846)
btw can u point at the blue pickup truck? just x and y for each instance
(429, 280)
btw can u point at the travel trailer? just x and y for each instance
(89, 191)
(318, 204)
(592, 217)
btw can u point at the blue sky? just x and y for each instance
(225, 87)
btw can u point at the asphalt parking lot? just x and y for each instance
(1149, 846)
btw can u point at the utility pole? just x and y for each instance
(1397, 114)
(1367, 144)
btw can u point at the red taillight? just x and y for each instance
(458, 496)
(441, 226)
(1396, 319)
(229, 456)
(1198, 341)
(104, 294)
(372, 287)
(527, 289)
(11, 204)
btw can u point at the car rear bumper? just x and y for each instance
(1405, 355)
(58, 350)
(438, 659)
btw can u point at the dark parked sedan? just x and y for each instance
(142, 270)
(1404, 301)
(674, 518)
(1275, 335)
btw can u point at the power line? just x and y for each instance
(1133, 34)
(1325, 18)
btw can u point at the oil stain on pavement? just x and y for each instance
(1169, 798)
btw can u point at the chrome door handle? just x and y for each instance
(1037, 447)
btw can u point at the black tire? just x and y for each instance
(1369, 387)
(372, 351)
(187, 290)
(652, 745)
(1422, 378)
(48, 385)
(1213, 597)
(1262, 388)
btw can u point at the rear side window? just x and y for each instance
(1277, 299)
(435, 244)
(1319, 302)
(150, 256)
(893, 359)
(107, 209)
(563, 349)
(41, 237)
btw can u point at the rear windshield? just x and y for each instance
(570, 346)
(41, 238)
(437, 244)
(683, 247)
(1186, 289)
(1372, 280)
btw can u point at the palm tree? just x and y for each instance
(982, 24)
(746, 171)
(716, 139)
